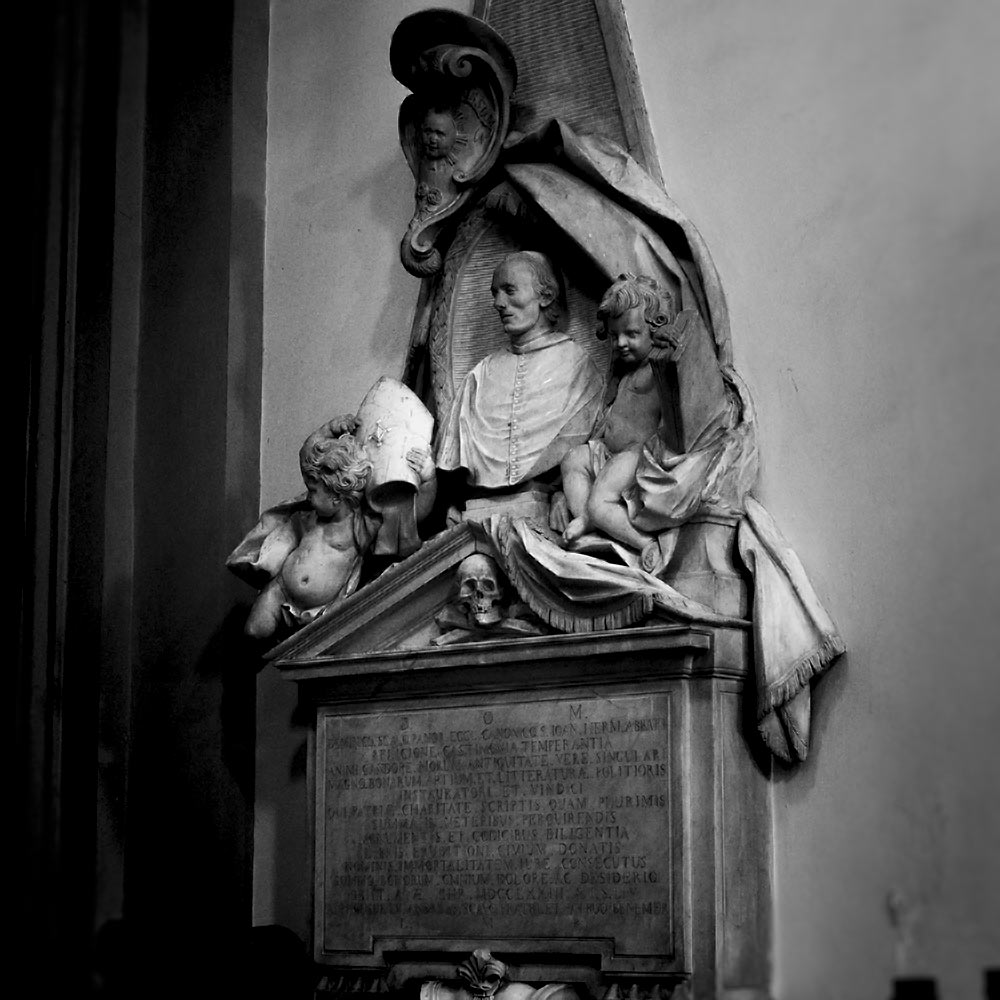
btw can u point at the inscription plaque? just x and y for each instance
(525, 819)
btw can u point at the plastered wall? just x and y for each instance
(842, 161)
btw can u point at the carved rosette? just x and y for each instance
(453, 125)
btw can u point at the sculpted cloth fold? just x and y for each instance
(501, 426)
(620, 219)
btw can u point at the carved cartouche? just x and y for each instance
(453, 125)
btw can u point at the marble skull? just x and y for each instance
(480, 592)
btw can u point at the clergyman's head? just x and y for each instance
(526, 292)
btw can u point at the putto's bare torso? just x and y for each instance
(317, 571)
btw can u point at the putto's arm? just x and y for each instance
(419, 459)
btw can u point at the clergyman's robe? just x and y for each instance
(520, 410)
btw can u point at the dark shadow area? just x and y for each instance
(755, 747)
(258, 963)
(234, 659)
(274, 965)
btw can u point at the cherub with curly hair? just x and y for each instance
(312, 548)
(596, 474)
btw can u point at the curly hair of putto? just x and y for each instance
(636, 291)
(340, 463)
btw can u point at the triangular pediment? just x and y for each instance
(396, 610)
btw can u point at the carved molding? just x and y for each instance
(628, 86)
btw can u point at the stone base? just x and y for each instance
(532, 504)
(585, 807)
(704, 565)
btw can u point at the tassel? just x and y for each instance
(799, 675)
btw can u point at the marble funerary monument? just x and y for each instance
(549, 638)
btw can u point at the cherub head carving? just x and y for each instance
(335, 471)
(631, 312)
(438, 133)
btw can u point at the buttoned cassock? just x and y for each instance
(520, 410)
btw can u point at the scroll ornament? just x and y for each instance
(453, 125)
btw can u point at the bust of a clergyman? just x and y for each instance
(525, 405)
